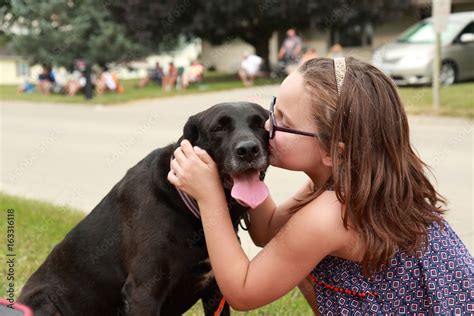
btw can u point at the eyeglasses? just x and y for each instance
(274, 127)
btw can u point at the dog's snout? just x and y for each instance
(247, 150)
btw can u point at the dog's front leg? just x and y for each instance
(212, 299)
(145, 296)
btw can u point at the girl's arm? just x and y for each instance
(260, 219)
(310, 234)
(265, 222)
(267, 219)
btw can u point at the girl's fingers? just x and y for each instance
(175, 167)
(187, 149)
(173, 179)
(201, 153)
(179, 155)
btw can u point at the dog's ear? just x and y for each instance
(191, 130)
(264, 112)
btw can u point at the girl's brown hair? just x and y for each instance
(387, 197)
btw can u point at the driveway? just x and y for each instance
(74, 154)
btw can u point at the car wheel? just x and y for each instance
(447, 73)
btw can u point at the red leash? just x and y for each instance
(221, 306)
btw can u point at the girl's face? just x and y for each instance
(293, 110)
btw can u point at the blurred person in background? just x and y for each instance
(46, 80)
(169, 80)
(336, 51)
(194, 73)
(310, 53)
(249, 68)
(290, 51)
(26, 87)
(155, 75)
(108, 82)
(76, 83)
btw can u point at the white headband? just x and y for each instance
(340, 72)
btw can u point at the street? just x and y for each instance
(74, 154)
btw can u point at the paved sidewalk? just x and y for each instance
(74, 154)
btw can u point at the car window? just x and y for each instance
(468, 29)
(423, 33)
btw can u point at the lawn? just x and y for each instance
(39, 226)
(456, 100)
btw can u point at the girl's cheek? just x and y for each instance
(280, 146)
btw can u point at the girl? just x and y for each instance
(367, 231)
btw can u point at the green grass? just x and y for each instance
(213, 81)
(456, 100)
(39, 226)
(292, 303)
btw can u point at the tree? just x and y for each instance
(5, 7)
(253, 21)
(217, 21)
(56, 32)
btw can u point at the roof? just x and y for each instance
(459, 16)
(7, 52)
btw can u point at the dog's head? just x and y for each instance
(234, 136)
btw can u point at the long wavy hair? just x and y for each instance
(382, 183)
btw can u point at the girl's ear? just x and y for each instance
(327, 160)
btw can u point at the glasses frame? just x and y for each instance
(274, 127)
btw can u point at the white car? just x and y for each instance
(409, 59)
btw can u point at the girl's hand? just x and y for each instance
(194, 172)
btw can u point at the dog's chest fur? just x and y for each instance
(207, 276)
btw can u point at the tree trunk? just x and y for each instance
(261, 45)
(88, 87)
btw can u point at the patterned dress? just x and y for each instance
(437, 281)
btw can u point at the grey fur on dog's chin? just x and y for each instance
(236, 167)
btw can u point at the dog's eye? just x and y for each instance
(257, 122)
(217, 128)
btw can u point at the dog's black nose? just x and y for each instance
(247, 150)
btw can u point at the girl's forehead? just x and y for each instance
(292, 85)
(292, 95)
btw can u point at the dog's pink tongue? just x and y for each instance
(249, 189)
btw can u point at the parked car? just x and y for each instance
(409, 59)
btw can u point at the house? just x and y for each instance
(357, 40)
(15, 70)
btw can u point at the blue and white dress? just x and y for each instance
(437, 281)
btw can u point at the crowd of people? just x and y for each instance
(291, 55)
(104, 80)
(73, 82)
(175, 77)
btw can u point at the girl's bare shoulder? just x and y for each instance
(326, 204)
(326, 212)
(322, 215)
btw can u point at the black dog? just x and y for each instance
(141, 251)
